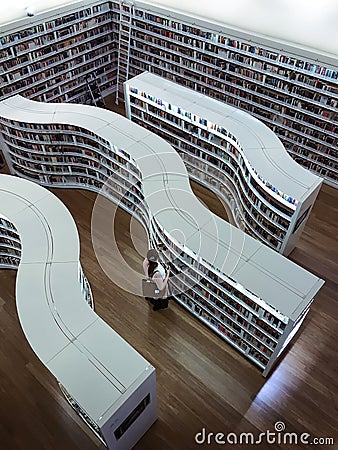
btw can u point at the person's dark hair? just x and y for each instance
(152, 268)
(152, 257)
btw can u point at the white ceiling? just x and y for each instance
(308, 24)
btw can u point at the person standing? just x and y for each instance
(156, 272)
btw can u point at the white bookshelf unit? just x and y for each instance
(231, 153)
(251, 296)
(10, 255)
(85, 50)
(110, 386)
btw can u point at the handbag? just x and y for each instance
(150, 289)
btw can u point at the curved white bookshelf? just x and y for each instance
(85, 355)
(231, 152)
(250, 295)
(10, 255)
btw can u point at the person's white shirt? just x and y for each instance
(160, 276)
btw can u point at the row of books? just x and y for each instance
(227, 148)
(199, 275)
(219, 41)
(9, 261)
(61, 22)
(210, 126)
(259, 112)
(298, 83)
(267, 226)
(223, 330)
(259, 232)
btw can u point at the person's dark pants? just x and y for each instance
(159, 303)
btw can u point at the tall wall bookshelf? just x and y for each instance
(296, 96)
(222, 147)
(62, 56)
(85, 51)
(251, 296)
(56, 312)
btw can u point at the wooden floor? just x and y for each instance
(201, 381)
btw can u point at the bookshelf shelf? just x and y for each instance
(247, 293)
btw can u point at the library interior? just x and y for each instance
(209, 132)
